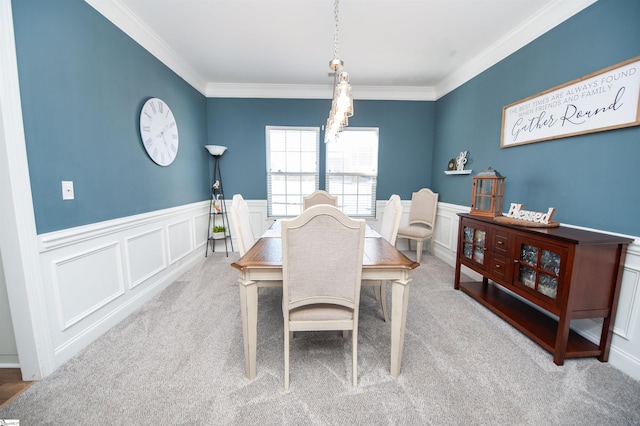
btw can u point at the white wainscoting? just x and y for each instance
(96, 275)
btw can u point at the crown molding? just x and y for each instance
(552, 15)
(122, 17)
(547, 18)
(293, 91)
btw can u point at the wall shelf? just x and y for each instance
(457, 172)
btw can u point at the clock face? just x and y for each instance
(159, 131)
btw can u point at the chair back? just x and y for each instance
(319, 197)
(391, 219)
(424, 205)
(322, 252)
(242, 224)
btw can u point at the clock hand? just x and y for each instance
(163, 130)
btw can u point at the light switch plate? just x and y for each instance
(67, 190)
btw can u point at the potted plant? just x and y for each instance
(219, 232)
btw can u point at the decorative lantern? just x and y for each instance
(488, 190)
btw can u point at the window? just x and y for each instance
(352, 171)
(292, 168)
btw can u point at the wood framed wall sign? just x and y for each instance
(605, 100)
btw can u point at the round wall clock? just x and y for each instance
(159, 131)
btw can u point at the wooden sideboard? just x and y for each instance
(566, 272)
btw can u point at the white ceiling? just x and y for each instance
(392, 49)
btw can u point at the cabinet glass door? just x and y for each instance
(539, 268)
(474, 242)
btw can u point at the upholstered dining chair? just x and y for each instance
(319, 197)
(389, 231)
(242, 224)
(422, 220)
(322, 252)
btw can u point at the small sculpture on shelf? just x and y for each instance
(215, 204)
(456, 165)
(461, 161)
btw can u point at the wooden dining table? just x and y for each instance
(261, 266)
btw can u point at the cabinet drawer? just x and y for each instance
(498, 266)
(500, 243)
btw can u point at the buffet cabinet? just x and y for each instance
(553, 275)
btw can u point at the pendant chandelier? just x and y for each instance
(342, 102)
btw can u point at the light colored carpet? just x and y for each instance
(179, 360)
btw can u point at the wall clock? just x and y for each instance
(159, 131)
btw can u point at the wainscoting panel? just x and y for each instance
(627, 316)
(96, 275)
(259, 220)
(86, 282)
(180, 239)
(201, 224)
(145, 255)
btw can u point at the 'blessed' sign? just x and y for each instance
(516, 212)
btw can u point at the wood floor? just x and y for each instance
(11, 385)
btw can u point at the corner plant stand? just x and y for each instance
(218, 228)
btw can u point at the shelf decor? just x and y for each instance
(517, 216)
(456, 165)
(488, 191)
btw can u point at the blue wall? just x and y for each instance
(405, 140)
(82, 85)
(591, 180)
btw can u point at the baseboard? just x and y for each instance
(9, 361)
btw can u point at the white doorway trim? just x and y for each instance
(18, 241)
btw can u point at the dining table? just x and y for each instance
(261, 266)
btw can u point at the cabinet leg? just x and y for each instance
(560, 348)
(605, 339)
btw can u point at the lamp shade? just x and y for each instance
(216, 150)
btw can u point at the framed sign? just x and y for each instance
(607, 99)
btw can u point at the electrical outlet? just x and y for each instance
(67, 190)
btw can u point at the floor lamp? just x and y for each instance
(217, 205)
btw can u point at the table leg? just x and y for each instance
(249, 313)
(399, 304)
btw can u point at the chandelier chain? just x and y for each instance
(342, 100)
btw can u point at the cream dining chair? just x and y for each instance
(388, 231)
(319, 197)
(422, 220)
(242, 224)
(322, 252)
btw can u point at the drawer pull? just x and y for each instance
(497, 266)
(500, 242)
